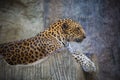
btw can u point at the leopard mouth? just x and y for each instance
(78, 40)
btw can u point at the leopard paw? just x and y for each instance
(89, 66)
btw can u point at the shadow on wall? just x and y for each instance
(100, 18)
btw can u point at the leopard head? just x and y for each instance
(73, 31)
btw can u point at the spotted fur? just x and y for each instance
(45, 43)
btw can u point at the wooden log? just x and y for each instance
(59, 66)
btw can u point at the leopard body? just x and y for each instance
(43, 44)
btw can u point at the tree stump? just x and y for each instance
(59, 66)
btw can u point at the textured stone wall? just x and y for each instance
(20, 19)
(100, 18)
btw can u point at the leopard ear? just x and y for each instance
(64, 26)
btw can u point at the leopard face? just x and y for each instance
(69, 30)
(73, 31)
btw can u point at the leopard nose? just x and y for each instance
(84, 36)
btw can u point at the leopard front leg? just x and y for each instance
(85, 62)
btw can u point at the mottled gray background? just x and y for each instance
(20, 19)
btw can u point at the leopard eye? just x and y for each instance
(78, 28)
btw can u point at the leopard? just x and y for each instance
(56, 36)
